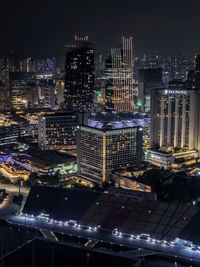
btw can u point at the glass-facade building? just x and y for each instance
(79, 77)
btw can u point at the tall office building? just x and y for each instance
(103, 148)
(46, 89)
(60, 89)
(28, 66)
(174, 116)
(99, 83)
(119, 88)
(109, 88)
(79, 75)
(148, 79)
(20, 90)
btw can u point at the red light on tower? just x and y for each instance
(75, 37)
(88, 254)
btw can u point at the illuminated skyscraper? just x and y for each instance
(120, 94)
(79, 78)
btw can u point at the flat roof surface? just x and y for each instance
(116, 120)
(48, 158)
(59, 203)
(162, 220)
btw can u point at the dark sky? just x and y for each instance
(35, 27)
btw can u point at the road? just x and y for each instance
(8, 208)
(8, 175)
(10, 188)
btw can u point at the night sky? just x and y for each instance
(35, 27)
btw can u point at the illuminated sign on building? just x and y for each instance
(175, 92)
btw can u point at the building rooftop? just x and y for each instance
(116, 120)
(161, 220)
(47, 159)
(59, 203)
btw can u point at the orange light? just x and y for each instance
(86, 37)
(123, 38)
(131, 38)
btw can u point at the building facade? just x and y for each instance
(57, 131)
(102, 150)
(79, 76)
(174, 118)
(119, 77)
(148, 79)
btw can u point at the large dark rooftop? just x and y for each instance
(162, 220)
(48, 158)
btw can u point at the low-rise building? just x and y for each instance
(47, 162)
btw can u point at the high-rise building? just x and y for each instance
(119, 88)
(79, 75)
(102, 149)
(57, 131)
(28, 66)
(109, 89)
(19, 90)
(60, 88)
(148, 79)
(28, 91)
(99, 83)
(174, 121)
(47, 93)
